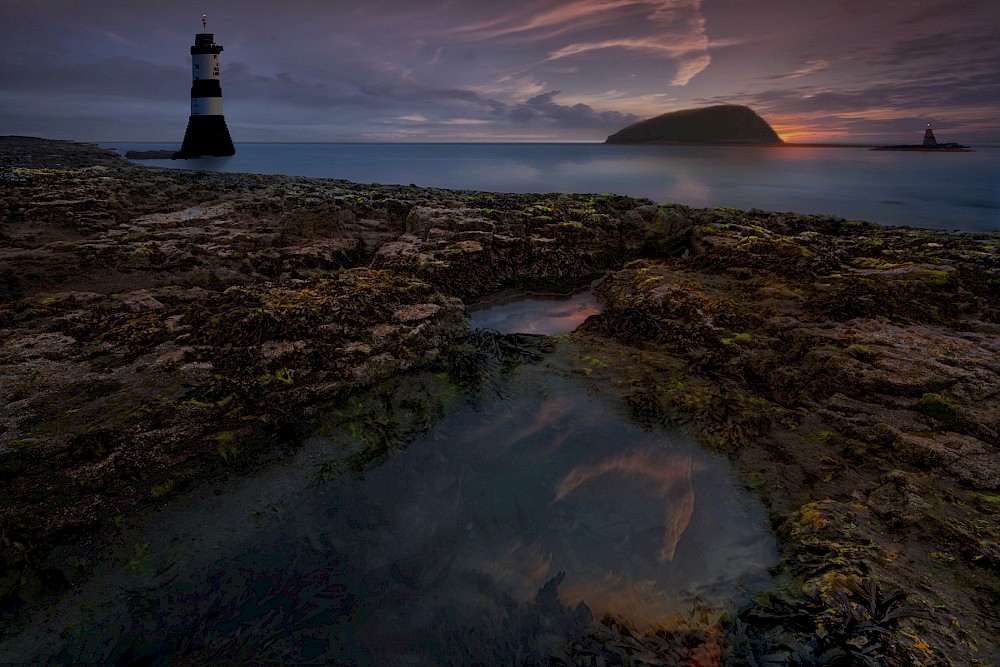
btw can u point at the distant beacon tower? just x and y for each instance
(206, 132)
(929, 139)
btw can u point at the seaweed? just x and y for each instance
(477, 359)
(855, 625)
(692, 640)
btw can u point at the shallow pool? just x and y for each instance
(437, 554)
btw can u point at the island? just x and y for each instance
(163, 331)
(725, 124)
(929, 145)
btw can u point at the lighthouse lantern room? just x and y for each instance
(207, 133)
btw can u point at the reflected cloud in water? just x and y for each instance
(667, 480)
(551, 480)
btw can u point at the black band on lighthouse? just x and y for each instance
(206, 136)
(206, 88)
(204, 42)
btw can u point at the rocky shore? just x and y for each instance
(149, 155)
(161, 328)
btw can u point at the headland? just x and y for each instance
(723, 124)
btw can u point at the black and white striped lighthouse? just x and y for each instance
(206, 132)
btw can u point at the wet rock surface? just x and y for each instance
(149, 155)
(853, 371)
(160, 328)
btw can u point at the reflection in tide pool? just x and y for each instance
(552, 479)
(434, 551)
(546, 315)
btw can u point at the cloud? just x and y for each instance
(357, 67)
(512, 87)
(690, 68)
(117, 77)
(374, 99)
(543, 107)
(673, 49)
(360, 67)
(669, 30)
(844, 72)
(945, 12)
(543, 21)
(811, 67)
(946, 45)
(882, 107)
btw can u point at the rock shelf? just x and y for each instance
(160, 328)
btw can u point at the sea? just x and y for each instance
(946, 191)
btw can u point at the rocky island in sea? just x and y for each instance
(162, 329)
(929, 145)
(726, 124)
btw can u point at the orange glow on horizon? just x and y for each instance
(804, 134)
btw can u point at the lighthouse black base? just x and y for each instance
(206, 136)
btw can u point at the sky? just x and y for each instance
(841, 71)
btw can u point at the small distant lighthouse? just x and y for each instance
(206, 132)
(929, 139)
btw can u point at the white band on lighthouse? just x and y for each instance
(206, 106)
(205, 66)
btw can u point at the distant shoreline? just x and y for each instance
(787, 144)
(149, 155)
(926, 149)
(784, 144)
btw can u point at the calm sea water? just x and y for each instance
(934, 190)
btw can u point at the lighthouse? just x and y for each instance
(206, 134)
(929, 139)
